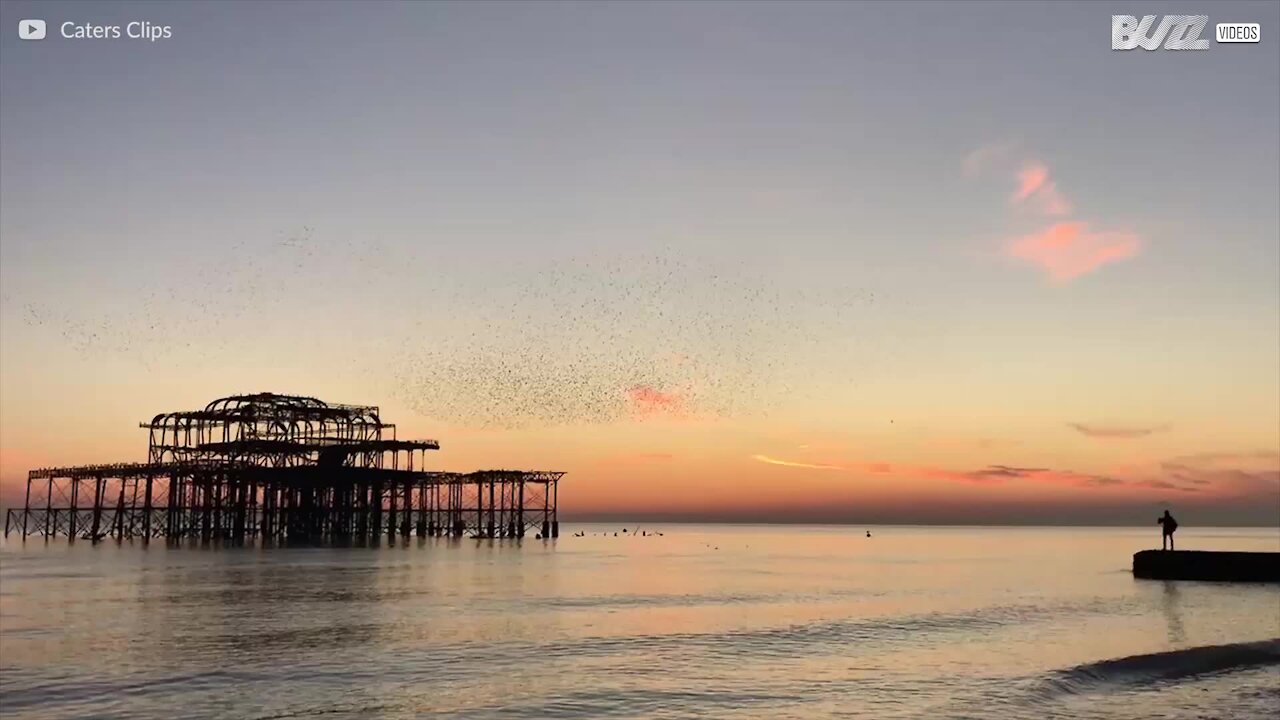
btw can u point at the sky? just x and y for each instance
(831, 262)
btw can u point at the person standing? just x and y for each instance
(1167, 527)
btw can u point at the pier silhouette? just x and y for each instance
(287, 468)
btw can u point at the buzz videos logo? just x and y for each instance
(1175, 32)
(1178, 32)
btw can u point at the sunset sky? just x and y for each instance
(804, 262)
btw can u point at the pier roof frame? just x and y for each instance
(260, 407)
(294, 447)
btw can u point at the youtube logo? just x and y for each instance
(31, 29)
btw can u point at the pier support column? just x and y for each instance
(492, 511)
(555, 508)
(146, 511)
(406, 521)
(26, 510)
(520, 511)
(74, 525)
(97, 506)
(48, 509)
(391, 512)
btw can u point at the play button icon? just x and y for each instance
(31, 29)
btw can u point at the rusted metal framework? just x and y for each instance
(283, 468)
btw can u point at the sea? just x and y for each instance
(640, 621)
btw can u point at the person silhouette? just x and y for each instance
(1167, 527)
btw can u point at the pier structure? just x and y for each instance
(283, 468)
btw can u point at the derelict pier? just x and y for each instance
(283, 468)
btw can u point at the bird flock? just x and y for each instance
(192, 310)
(598, 340)
(568, 339)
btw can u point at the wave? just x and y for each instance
(1138, 670)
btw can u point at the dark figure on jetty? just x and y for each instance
(1167, 527)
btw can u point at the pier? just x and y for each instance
(1207, 565)
(283, 468)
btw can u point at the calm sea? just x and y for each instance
(701, 621)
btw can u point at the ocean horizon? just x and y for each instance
(675, 620)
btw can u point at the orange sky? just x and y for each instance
(663, 461)
(711, 263)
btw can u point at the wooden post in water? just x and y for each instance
(97, 507)
(74, 524)
(48, 507)
(146, 510)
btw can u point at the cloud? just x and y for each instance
(875, 468)
(788, 463)
(1165, 485)
(1067, 250)
(1006, 471)
(1257, 458)
(1254, 476)
(1233, 475)
(1030, 179)
(983, 158)
(990, 474)
(648, 400)
(1035, 186)
(1102, 432)
(1002, 473)
(1212, 477)
(1099, 480)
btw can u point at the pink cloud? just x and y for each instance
(1065, 250)
(1225, 475)
(1030, 179)
(1229, 474)
(1255, 474)
(1034, 185)
(646, 399)
(1068, 250)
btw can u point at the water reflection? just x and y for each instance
(1171, 606)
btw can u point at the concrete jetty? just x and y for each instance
(1207, 565)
